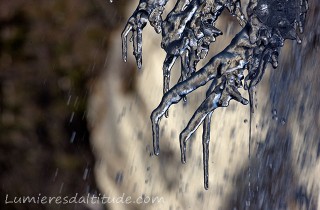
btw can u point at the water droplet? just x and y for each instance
(119, 177)
(274, 112)
(76, 102)
(69, 99)
(140, 135)
(247, 203)
(71, 117)
(200, 196)
(73, 136)
(55, 174)
(85, 173)
(270, 165)
(61, 187)
(148, 148)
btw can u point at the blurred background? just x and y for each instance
(74, 118)
(50, 54)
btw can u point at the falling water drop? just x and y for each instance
(55, 174)
(69, 99)
(274, 112)
(73, 136)
(251, 103)
(71, 117)
(61, 187)
(274, 115)
(119, 177)
(76, 101)
(85, 173)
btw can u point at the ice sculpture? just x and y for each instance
(187, 32)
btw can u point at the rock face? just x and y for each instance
(282, 171)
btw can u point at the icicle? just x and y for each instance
(188, 31)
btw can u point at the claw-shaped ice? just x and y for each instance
(187, 32)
